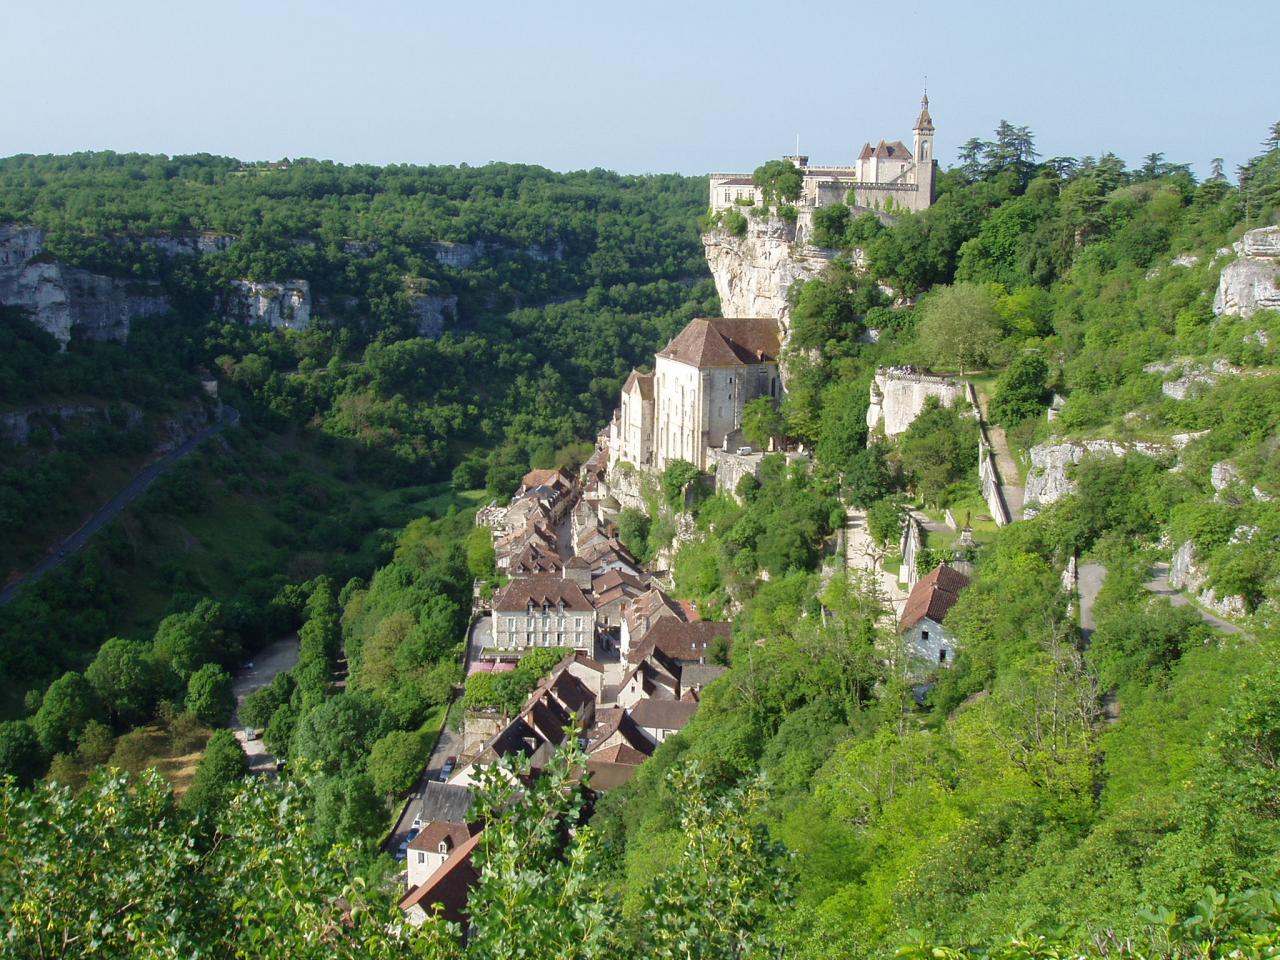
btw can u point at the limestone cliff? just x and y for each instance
(431, 314)
(1047, 480)
(65, 301)
(189, 244)
(1251, 282)
(754, 273)
(274, 304)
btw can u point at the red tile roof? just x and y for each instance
(933, 596)
(682, 641)
(448, 886)
(454, 834)
(644, 381)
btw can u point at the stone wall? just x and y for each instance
(898, 395)
(1252, 281)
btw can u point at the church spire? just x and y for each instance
(924, 122)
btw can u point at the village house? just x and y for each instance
(685, 643)
(544, 612)
(926, 640)
(660, 719)
(646, 610)
(443, 826)
(445, 891)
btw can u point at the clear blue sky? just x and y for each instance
(636, 87)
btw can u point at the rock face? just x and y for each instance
(64, 300)
(1192, 377)
(1047, 480)
(1186, 574)
(189, 245)
(285, 303)
(754, 273)
(458, 255)
(1252, 281)
(48, 422)
(431, 314)
(899, 394)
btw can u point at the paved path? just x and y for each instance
(268, 662)
(449, 745)
(1160, 586)
(1089, 579)
(862, 554)
(1010, 476)
(135, 488)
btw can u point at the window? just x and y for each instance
(422, 857)
(924, 636)
(942, 655)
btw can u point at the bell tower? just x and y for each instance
(922, 148)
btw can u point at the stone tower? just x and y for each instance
(922, 147)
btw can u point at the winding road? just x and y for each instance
(134, 489)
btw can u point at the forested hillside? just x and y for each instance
(1082, 790)
(1052, 793)
(350, 428)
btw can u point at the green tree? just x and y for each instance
(20, 754)
(68, 704)
(633, 531)
(727, 885)
(396, 760)
(126, 679)
(959, 328)
(220, 771)
(761, 422)
(780, 180)
(209, 695)
(337, 734)
(348, 809)
(1020, 390)
(677, 475)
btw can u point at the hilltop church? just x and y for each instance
(692, 402)
(887, 177)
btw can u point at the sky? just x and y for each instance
(642, 87)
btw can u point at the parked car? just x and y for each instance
(402, 851)
(417, 824)
(413, 833)
(250, 733)
(447, 770)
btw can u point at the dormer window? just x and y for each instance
(444, 846)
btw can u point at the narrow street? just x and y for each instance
(276, 658)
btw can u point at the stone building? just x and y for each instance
(928, 643)
(694, 399)
(886, 177)
(544, 612)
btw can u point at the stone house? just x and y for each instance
(445, 891)
(443, 827)
(922, 628)
(642, 614)
(659, 719)
(544, 611)
(685, 643)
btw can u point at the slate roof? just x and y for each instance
(933, 596)
(924, 121)
(696, 675)
(885, 151)
(725, 342)
(539, 591)
(444, 801)
(663, 714)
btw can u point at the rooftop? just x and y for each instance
(541, 591)
(933, 596)
(725, 342)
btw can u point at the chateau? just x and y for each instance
(887, 177)
(692, 402)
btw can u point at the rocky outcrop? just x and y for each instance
(431, 314)
(1047, 480)
(65, 301)
(1192, 377)
(274, 304)
(1186, 574)
(754, 273)
(1251, 282)
(48, 422)
(898, 394)
(188, 244)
